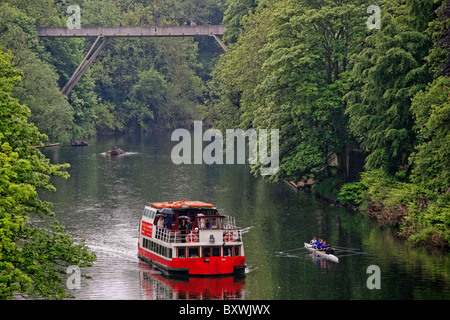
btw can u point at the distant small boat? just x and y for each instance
(81, 143)
(116, 151)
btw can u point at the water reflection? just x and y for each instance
(103, 200)
(321, 262)
(155, 286)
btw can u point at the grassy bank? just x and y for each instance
(419, 215)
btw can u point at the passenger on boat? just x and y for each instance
(182, 228)
(160, 225)
(323, 245)
(160, 222)
(189, 225)
(168, 222)
(183, 225)
(319, 244)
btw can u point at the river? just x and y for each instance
(104, 197)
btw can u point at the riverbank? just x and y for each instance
(417, 215)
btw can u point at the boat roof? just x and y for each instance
(181, 204)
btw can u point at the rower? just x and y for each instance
(313, 240)
(323, 245)
(319, 244)
(329, 250)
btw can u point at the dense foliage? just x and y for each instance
(315, 71)
(33, 260)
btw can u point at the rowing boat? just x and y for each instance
(330, 257)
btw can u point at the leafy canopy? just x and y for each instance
(32, 259)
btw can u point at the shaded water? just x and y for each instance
(104, 198)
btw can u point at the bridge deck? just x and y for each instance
(155, 31)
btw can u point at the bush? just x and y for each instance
(420, 215)
(352, 194)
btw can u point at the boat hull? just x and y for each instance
(324, 255)
(116, 152)
(80, 144)
(210, 266)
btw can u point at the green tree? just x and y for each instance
(233, 19)
(431, 109)
(388, 72)
(39, 89)
(439, 31)
(33, 260)
(145, 99)
(288, 71)
(237, 74)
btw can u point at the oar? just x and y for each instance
(291, 250)
(343, 248)
(350, 254)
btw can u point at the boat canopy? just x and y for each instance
(181, 204)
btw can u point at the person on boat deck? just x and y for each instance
(169, 222)
(313, 240)
(182, 226)
(189, 225)
(160, 224)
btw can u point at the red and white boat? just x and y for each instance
(190, 238)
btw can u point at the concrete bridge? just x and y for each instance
(155, 31)
(104, 33)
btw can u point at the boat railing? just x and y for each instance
(231, 233)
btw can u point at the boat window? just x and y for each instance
(206, 252)
(216, 251)
(210, 223)
(227, 251)
(149, 213)
(193, 253)
(237, 250)
(181, 252)
(157, 248)
(209, 212)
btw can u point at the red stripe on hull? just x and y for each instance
(197, 266)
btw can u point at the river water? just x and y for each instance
(104, 198)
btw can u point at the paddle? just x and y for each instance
(343, 248)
